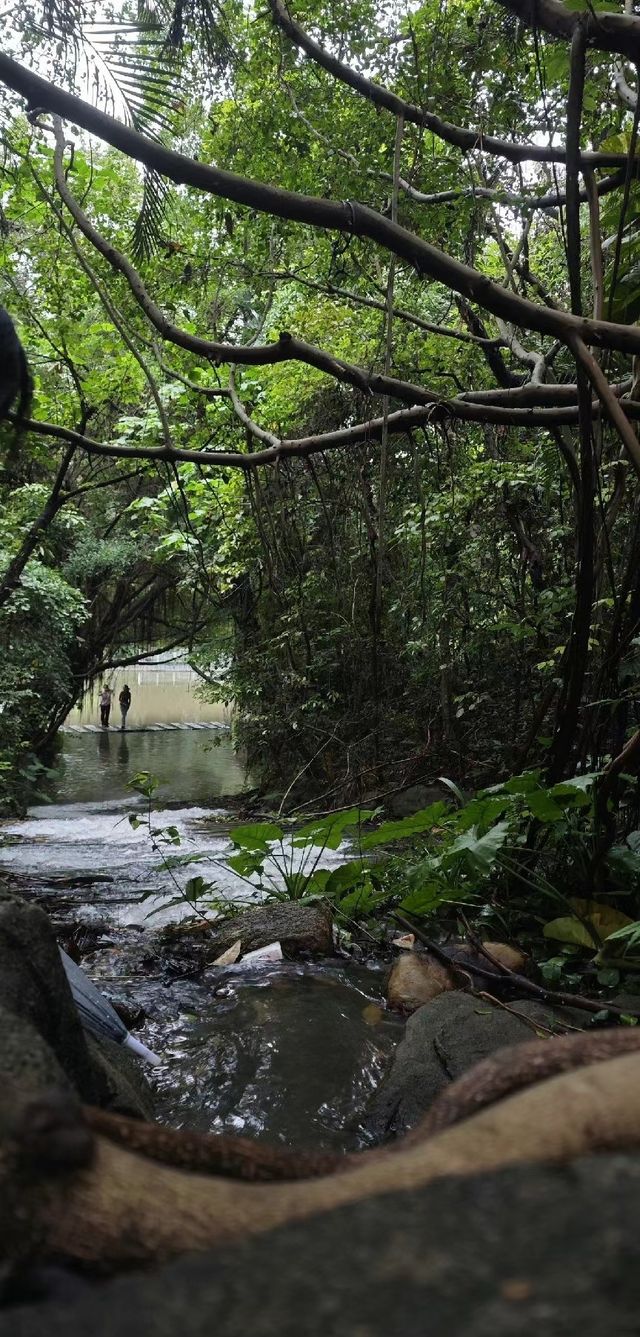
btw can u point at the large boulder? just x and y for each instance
(34, 990)
(532, 1249)
(405, 802)
(442, 1039)
(41, 1038)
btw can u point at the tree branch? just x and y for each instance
(468, 140)
(619, 33)
(350, 217)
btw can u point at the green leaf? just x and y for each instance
(416, 824)
(257, 836)
(542, 806)
(609, 979)
(604, 919)
(246, 863)
(480, 853)
(343, 879)
(455, 790)
(329, 831)
(425, 900)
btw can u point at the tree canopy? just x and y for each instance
(331, 314)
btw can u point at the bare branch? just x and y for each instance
(350, 217)
(468, 140)
(619, 33)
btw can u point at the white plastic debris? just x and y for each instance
(263, 956)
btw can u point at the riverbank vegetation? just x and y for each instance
(332, 333)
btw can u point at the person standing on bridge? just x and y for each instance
(105, 706)
(125, 701)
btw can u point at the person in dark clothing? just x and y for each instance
(125, 701)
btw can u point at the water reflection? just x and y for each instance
(287, 1054)
(191, 767)
(104, 746)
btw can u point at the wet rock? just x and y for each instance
(132, 1013)
(33, 988)
(42, 1041)
(511, 957)
(527, 1250)
(442, 1040)
(124, 1088)
(416, 978)
(25, 1056)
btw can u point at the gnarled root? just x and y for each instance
(124, 1208)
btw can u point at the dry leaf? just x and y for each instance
(407, 941)
(231, 955)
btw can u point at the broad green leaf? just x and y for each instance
(604, 918)
(256, 836)
(329, 831)
(423, 901)
(415, 825)
(342, 879)
(569, 929)
(542, 806)
(480, 852)
(247, 862)
(624, 861)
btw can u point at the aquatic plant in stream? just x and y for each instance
(162, 838)
(286, 861)
(278, 862)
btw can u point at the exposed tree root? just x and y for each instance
(122, 1208)
(517, 1066)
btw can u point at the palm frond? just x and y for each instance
(135, 72)
(133, 69)
(149, 223)
(203, 23)
(62, 19)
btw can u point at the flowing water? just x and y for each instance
(291, 1051)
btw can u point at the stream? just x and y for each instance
(291, 1051)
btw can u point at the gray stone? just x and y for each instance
(125, 1089)
(25, 1057)
(414, 799)
(532, 1249)
(41, 1038)
(441, 1041)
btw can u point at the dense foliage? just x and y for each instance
(348, 410)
